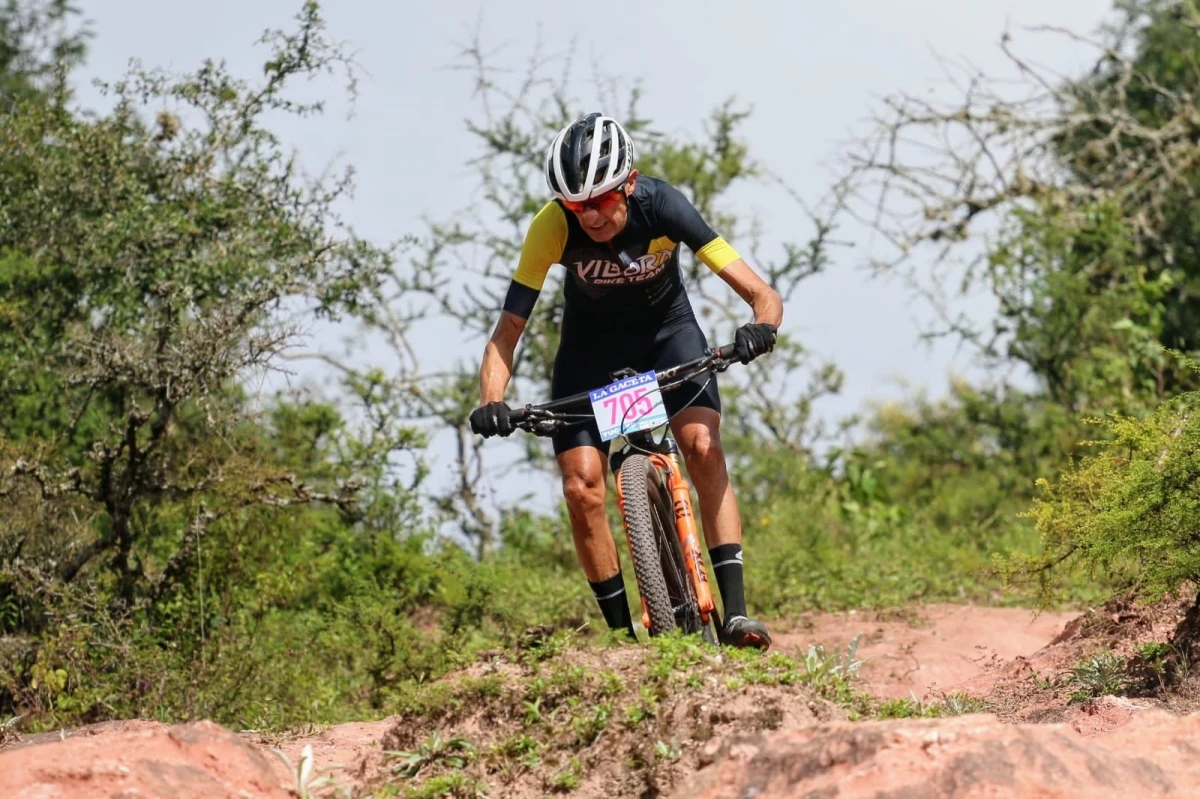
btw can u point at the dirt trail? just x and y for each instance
(927, 652)
(930, 650)
(924, 651)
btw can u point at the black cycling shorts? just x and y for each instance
(583, 364)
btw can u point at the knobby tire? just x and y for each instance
(658, 563)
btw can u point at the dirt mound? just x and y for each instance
(343, 755)
(1155, 754)
(929, 650)
(143, 759)
(1119, 648)
(1126, 750)
(680, 718)
(591, 721)
(624, 721)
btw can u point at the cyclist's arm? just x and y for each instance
(758, 294)
(496, 370)
(684, 223)
(543, 247)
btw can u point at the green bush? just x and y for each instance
(916, 512)
(1126, 513)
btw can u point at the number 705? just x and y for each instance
(635, 400)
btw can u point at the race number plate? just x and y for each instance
(628, 405)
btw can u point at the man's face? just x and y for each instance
(605, 216)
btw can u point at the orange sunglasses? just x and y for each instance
(597, 203)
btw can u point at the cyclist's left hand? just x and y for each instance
(752, 340)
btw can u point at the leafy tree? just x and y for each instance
(1155, 82)
(177, 545)
(39, 48)
(147, 266)
(1068, 204)
(146, 279)
(1074, 206)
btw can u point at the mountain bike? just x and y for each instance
(653, 495)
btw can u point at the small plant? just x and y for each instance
(455, 784)
(903, 708)
(1159, 664)
(645, 708)
(959, 704)
(1040, 682)
(8, 730)
(454, 752)
(533, 711)
(569, 680)
(1102, 674)
(538, 644)
(667, 752)
(302, 772)
(524, 749)
(1154, 660)
(589, 726)
(515, 756)
(568, 778)
(956, 704)
(831, 675)
(611, 684)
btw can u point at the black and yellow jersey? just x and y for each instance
(635, 277)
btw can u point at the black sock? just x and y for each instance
(614, 604)
(726, 561)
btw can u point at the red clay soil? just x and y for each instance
(1013, 661)
(141, 759)
(931, 650)
(1155, 754)
(1037, 687)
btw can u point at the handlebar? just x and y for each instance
(543, 419)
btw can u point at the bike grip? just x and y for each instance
(517, 415)
(727, 352)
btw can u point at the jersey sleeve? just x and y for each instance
(543, 247)
(682, 222)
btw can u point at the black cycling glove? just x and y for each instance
(492, 419)
(752, 340)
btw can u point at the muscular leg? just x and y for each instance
(697, 431)
(584, 473)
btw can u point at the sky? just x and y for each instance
(811, 73)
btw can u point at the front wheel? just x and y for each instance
(658, 563)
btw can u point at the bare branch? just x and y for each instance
(934, 173)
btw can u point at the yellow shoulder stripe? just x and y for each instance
(543, 247)
(717, 254)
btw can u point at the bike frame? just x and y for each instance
(665, 457)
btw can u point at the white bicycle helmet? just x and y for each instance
(590, 156)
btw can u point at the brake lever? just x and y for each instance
(544, 427)
(540, 426)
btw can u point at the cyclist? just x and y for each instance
(617, 233)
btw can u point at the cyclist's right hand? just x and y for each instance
(492, 419)
(753, 340)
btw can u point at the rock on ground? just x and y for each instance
(142, 759)
(1154, 753)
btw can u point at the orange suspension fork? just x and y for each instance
(685, 527)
